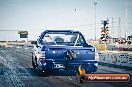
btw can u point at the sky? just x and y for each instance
(36, 16)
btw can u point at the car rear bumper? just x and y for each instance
(89, 66)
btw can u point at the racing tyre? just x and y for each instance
(81, 79)
(43, 73)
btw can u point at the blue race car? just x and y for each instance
(64, 51)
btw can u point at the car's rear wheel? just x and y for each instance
(43, 73)
(82, 78)
(33, 64)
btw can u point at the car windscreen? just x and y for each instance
(63, 37)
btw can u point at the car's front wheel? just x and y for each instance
(33, 63)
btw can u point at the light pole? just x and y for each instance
(95, 3)
(126, 20)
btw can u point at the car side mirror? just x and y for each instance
(34, 42)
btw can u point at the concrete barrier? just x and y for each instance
(122, 59)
